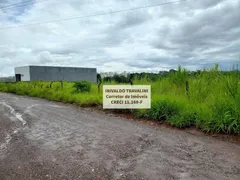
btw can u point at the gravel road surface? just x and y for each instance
(46, 140)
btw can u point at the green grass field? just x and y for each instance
(211, 103)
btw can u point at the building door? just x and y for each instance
(18, 77)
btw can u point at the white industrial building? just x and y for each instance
(52, 73)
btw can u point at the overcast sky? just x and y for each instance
(194, 34)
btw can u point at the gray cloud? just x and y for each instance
(213, 34)
(132, 19)
(193, 34)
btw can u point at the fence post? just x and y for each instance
(187, 88)
(131, 78)
(51, 84)
(99, 80)
(62, 84)
(99, 85)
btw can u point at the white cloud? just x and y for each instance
(193, 34)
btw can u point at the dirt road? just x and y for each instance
(45, 140)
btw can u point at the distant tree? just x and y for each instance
(120, 78)
(107, 79)
(7, 79)
(131, 78)
(172, 71)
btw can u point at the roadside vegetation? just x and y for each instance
(207, 99)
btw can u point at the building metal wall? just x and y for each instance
(24, 71)
(48, 73)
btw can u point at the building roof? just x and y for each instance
(55, 67)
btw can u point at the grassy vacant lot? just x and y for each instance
(209, 100)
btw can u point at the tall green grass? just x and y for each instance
(211, 104)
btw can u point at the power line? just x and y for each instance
(93, 15)
(10, 5)
(24, 3)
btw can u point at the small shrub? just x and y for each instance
(82, 86)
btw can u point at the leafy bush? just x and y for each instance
(82, 86)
